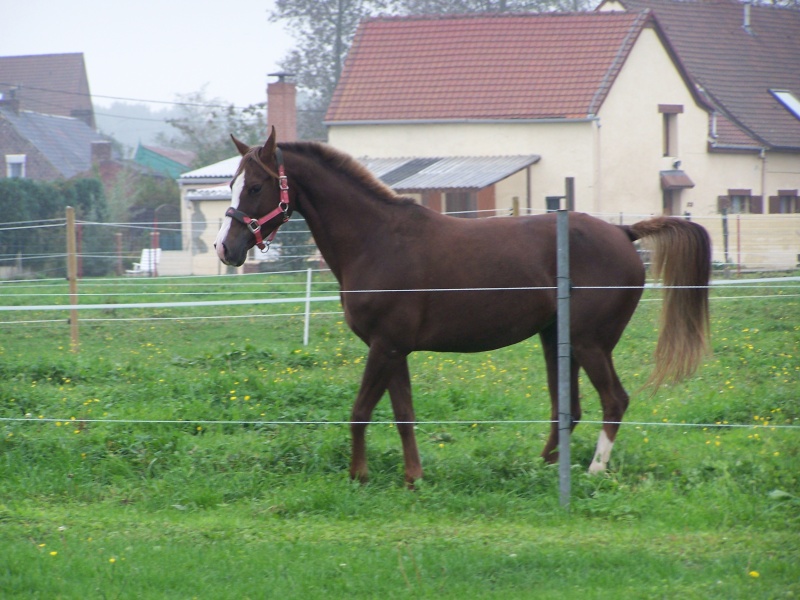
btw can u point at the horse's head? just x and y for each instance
(259, 202)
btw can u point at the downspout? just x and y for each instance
(598, 167)
(764, 199)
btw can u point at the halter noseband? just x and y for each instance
(282, 210)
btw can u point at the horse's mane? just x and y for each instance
(346, 165)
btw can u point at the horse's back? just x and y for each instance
(481, 284)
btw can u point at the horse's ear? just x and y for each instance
(240, 146)
(268, 150)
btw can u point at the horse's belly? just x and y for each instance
(476, 329)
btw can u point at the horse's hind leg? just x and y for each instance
(379, 371)
(400, 395)
(599, 367)
(549, 340)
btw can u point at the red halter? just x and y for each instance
(282, 210)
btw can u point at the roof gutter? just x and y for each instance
(737, 147)
(587, 119)
(183, 181)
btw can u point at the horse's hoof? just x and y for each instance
(597, 468)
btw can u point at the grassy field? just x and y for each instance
(164, 460)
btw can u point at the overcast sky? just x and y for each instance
(155, 49)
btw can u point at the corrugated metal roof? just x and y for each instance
(223, 169)
(409, 174)
(448, 173)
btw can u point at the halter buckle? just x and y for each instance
(254, 225)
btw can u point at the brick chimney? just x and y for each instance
(282, 107)
(101, 152)
(9, 100)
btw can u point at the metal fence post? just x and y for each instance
(308, 308)
(564, 357)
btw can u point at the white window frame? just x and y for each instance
(18, 161)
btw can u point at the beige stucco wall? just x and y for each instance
(201, 221)
(566, 149)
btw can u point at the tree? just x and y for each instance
(25, 204)
(325, 30)
(204, 127)
(441, 7)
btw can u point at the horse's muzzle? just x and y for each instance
(226, 256)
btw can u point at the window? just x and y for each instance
(785, 203)
(789, 101)
(15, 165)
(463, 204)
(669, 116)
(740, 202)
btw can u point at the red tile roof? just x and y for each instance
(500, 66)
(735, 67)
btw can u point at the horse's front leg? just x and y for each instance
(403, 407)
(381, 366)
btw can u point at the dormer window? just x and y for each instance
(15, 165)
(789, 101)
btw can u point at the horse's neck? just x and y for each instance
(342, 216)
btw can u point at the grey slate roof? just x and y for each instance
(65, 142)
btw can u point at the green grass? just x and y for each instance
(229, 503)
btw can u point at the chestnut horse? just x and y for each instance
(413, 279)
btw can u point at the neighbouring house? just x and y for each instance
(168, 162)
(744, 59)
(47, 147)
(47, 128)
(604, 98)
(50, 84)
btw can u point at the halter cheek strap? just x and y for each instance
(282, 210)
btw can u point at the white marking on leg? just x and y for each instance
(236, 191)
(602, 454)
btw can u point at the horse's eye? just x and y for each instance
(255, 190)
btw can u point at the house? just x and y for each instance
(47, 128)
(50, 84)
(604, 98)
(743, 59)
(168, 162)
(47, 147)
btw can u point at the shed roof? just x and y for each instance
(401, 174)
(221, 170)
(450, 173)
(484, 67)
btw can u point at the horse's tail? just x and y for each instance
(681, 257)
